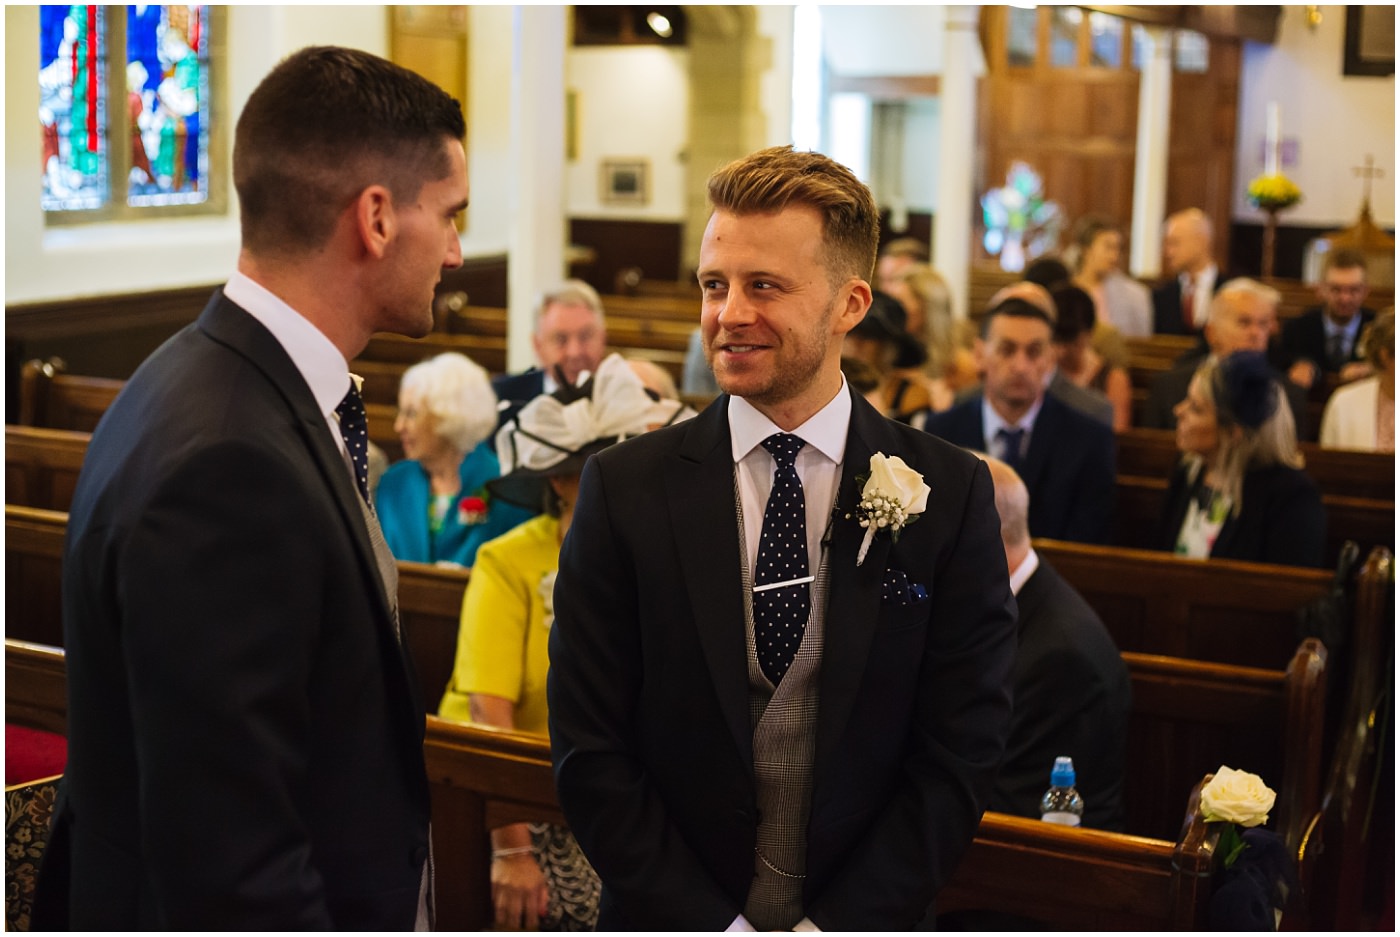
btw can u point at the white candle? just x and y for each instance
(1271, 140)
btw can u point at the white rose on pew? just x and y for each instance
(1236, 797)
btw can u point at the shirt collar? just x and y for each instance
(321, 364)
(1021, 573)
(992, 421)
(1208, 274)
(1330, 328)
(825, 430)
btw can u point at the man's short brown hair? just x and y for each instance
(1344, 258)
(322, 126)
(770, 180)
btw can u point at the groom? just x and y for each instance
(761, 717)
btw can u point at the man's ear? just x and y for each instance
(375, 221)
(852, 302)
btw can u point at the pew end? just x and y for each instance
(1068, 878)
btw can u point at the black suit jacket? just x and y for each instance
(1281, 518)
(1070, 466)
(1304, 337)
(649, 694)
(1166, 307)
(1073, 696)
(245, 732)
(514, 391)
(1169, 388)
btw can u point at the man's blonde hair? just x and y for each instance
(772, 179)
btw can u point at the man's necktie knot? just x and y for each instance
(1011, 442)
(354, 428)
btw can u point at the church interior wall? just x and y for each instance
(732, 81)
(1335, 120)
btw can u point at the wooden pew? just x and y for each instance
(1352, 833)
(487, 351)
(1347, 473)
(51, 398)
(430, 597)
(660, 343)
(42, 466)
(482, 777)
(34, 574)
(36, 686)
(1223, 611)
(1139, 501)
(430, 609)
(1190, 717)
(1087, 880)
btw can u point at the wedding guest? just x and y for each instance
(1239, 491)
(1324, 342)
(432, 504)
(929, 318)
(1361, 415)
(1119, 300)
(880, 341)
(1080, 362)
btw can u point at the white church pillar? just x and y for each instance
(1153, 143)
(537, 233)
(957, 137)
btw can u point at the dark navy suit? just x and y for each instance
(1070, 466)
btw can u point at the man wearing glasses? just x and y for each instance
(1324, 340)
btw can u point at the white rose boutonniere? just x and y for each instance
(892, 496)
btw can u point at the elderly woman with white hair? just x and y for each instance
(433, 505)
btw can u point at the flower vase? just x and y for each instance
(1013, 253)
(1266, 260)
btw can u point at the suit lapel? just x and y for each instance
(229, 324)
(853, 601)
(700, 492)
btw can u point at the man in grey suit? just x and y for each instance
(245, 729)
(763, 714)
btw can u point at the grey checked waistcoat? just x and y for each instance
(784, 746)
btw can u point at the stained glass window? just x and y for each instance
(125, 104)
(72, 106)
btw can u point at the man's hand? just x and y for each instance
(519, 892)
(1303, 373)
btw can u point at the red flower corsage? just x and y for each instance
(471, 510)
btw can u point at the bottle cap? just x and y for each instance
(1062, 775)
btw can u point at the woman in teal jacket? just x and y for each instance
(433, 505)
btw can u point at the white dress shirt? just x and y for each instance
(1202, 290)
(1024, 571)
(818, 464)
(321, 364)
(992, 423)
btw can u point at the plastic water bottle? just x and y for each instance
(1062, 803)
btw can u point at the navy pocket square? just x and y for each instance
(898, 590)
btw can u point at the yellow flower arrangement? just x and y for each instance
(1273, 192)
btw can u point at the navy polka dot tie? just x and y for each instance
(354, 427)
(780, 614)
